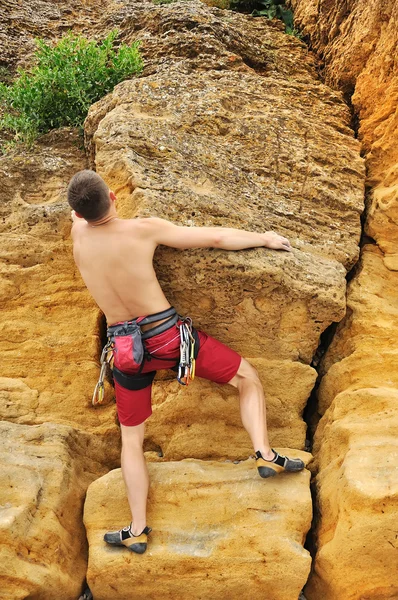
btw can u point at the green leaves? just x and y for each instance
(66, 79)
(270, 9)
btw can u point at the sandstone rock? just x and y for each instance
(45, 473)
(22, 22)
(210, 521)
(357, 495)
(203, 420)
(167, 128)
(363, 352)
(187, 143)
(355, 444)
(49, 339)
(358, 42)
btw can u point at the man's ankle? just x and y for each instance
(137, 528)
(267, 453)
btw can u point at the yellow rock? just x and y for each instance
(363, 352)
(357, 493)
(50, 334)
(358, 44)
(203, 420)
(44, 476)
(210, 521)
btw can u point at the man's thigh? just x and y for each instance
(216, 361)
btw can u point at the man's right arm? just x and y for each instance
(167, 233)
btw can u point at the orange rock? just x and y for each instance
(358, 42)
(210, 521)
(44, 476)
(357, 495)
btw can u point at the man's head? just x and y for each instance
(89, 196)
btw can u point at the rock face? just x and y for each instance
(202, 542)
(203, 420)
(228, 126)
(206, 139)
(358, 42)
(50, 331)
(355, 444)
(363, 353)
(357, 494)
(45, 472)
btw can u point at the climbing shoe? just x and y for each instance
(279, 464)
(124, 537)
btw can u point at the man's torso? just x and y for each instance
(116, 263)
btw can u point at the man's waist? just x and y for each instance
(149, 325)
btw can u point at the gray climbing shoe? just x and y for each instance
(124, 537)
(279, 464)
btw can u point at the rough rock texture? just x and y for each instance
(205, 138)
(364, 352)
(204, 420)
(358, 43)
(22, 22)
(44, 476)
(49, 339)
(219, 531)
(357, 494)
(355, 448)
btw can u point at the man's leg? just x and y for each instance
(252, 407)
(135, 474)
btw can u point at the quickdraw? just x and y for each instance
(186, 367)
(106, 357)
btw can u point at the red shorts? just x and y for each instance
(215, 362)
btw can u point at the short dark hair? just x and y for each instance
(88, 195)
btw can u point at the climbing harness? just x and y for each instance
(126, 341)
(106, 357)
(186, 366)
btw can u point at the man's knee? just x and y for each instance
(132, 436)
(246, 373)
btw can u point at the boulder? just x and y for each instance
(357, 41)
(357, 497)
(219, 531)
(44, 476)
(363, 352)
(50, 338)
(245, 138)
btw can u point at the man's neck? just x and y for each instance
(112, 216)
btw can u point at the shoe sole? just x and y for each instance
(266, 472)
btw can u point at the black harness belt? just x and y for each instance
(133, 382)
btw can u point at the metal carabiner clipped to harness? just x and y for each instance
(99, 390)
(186, 367)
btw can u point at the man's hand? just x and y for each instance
(276, 242)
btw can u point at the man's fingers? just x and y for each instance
(286, 245)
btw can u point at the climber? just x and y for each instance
(114, 257)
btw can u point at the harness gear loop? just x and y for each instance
(99, 390)
(186, 367)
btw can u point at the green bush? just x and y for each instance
(66, 79)
(267, 8)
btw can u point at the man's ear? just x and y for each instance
(112, 196)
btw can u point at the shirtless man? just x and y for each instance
(114, 257)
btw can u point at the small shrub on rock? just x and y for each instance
(67, 78)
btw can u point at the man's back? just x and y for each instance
(115, 261)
